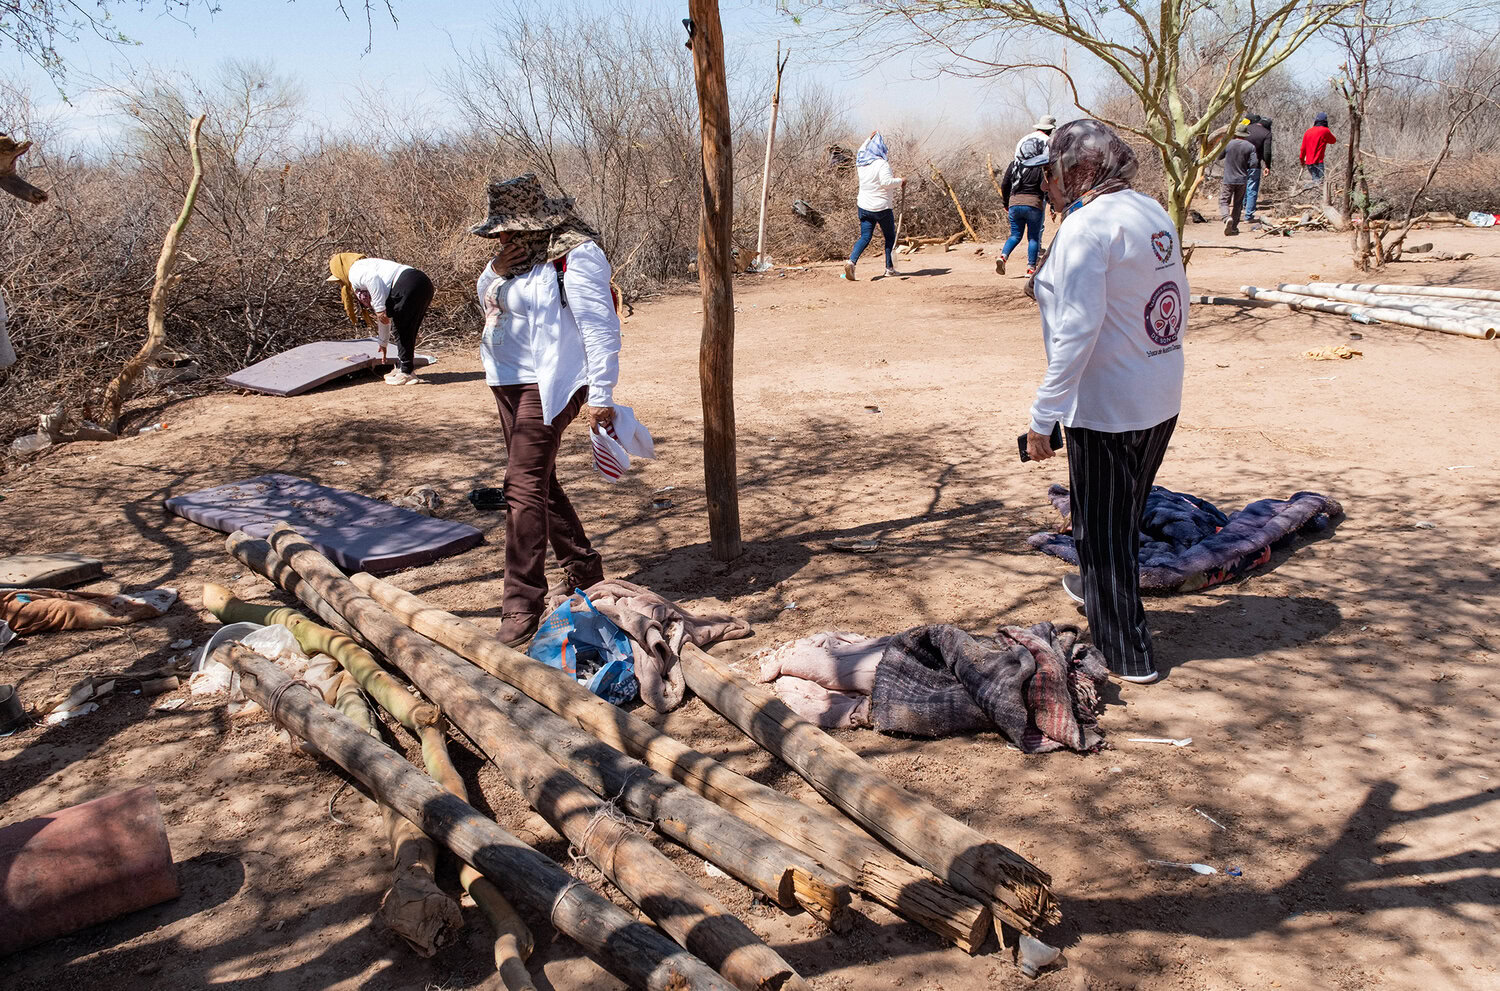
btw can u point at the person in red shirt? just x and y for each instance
(1314, 142)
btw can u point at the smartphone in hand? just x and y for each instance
(1056, 440)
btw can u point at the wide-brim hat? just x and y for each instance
(1242, 131)
(520, 204)
(1047, 123)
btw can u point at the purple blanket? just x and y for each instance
(1187, 544)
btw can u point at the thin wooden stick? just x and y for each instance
(685, 911)
(957, 205)
(1017, 891)
(631, 950)
(851, 855)
(765, 172)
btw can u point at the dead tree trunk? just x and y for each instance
(156, 316)
(716, 353)
(10, 150)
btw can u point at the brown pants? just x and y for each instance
(1231, 201)
(537, 510)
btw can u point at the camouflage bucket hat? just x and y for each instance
(519, 204)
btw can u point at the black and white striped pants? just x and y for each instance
(1110, 475)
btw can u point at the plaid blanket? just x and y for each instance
(1037, 685)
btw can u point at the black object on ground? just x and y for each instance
(488, 499)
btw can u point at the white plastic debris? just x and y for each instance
(1185, 741)
(713, 871)
(1195, 868)
(64, 715)
(182, 644)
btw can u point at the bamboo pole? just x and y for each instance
(631, 950)
(765, 172)
(968, 228)
(1484, 321)
(513, 942)
(685, 911)
(119, 387)
(785, 875)
(1017, 891)
(1455, 292)
(850, 854)
(1384, 314)
(715, 264)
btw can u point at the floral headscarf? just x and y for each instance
(1088, 160)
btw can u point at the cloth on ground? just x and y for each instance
(657, 628)
(1187, 543)
(1038, 685)
(826, 678)
(48, 610)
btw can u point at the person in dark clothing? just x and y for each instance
(1260, 137)
(1315, 142)
(1021, 192)
(1239, 158)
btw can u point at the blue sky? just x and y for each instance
(312, 42)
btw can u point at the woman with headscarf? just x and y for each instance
(1021, 192)
(1113, 297)
(550, 348)
(384, 294)
(876, 202)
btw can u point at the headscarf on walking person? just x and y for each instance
(339, 265)
(872, 149)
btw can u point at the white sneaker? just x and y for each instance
(1139, 679)
(849, 271)
(398, 377)
(890, 272)
(1072, 583)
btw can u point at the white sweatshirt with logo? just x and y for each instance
(1113, 297)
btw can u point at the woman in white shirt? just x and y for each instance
(877, 198)
(1113, 297)
(396, 295)
(550, 349)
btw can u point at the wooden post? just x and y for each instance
(850, 854)
(1017, 891)
(631, 950)
(685, 911)
(765, 172)
(716, 352)
(120, 386)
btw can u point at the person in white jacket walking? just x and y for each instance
(550, 349)
(1113, 296)
(877, 201)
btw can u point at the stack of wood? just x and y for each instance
(1459, 310)
(581, 762)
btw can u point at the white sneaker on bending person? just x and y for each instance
(398, 377)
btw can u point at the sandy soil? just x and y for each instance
(1342, 701)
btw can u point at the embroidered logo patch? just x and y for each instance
(1161, 243)
(1164, 314)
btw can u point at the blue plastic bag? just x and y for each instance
(585, 645)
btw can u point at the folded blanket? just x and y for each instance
(657, 629)
(826, 678)
(1187, 543)
(1037, 685)
(46, 610)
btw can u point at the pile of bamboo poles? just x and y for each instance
(1458, 310)
(589, 768)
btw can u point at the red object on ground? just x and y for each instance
(1315, 142)
(80, 866)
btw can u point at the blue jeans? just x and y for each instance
(1316, 171)
(1027, 220)
(867, 221)
(1252, 191)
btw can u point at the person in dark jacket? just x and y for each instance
(1260, 137)
(1239, 158)
(1021, 192)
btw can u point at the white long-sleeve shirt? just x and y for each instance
(529, 336)
(1113, 297)
(877, 186)
(376, 276)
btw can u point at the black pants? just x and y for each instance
(1110, 475)
(406, 306)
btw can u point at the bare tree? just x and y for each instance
(1186, 62)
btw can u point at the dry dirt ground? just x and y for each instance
(1342, 701)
